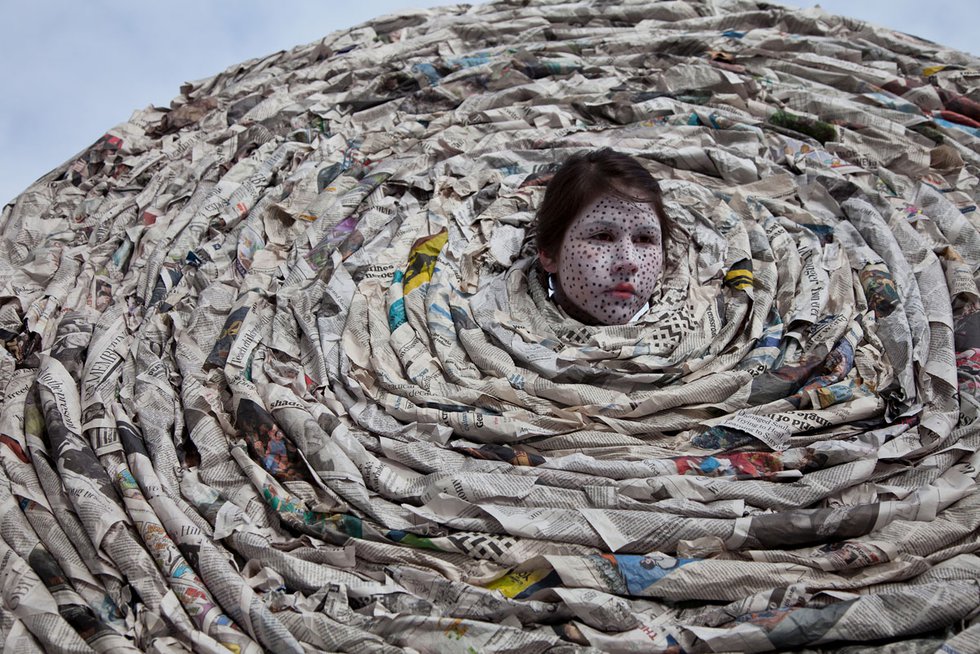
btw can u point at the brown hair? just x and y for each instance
(583, 178)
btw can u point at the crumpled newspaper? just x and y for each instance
(280, 373)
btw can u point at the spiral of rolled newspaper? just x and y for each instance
(279, 374)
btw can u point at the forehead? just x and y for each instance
(617, 211)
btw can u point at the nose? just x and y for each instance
(626, 258)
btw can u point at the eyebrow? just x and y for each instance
(601, 222)
(612, 224)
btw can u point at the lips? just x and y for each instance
(623, 291)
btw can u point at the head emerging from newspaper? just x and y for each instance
(600, 234)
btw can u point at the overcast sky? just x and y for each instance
(72, 69)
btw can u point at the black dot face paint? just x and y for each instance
(610, 261)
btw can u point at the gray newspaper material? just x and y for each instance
(280, 371)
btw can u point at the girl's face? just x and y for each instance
(609, 262)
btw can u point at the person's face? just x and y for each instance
(609, 262)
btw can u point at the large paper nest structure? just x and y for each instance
(280, 371)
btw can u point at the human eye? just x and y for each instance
(645, 239)
(602, 237)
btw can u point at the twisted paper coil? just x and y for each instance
(281, 372)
